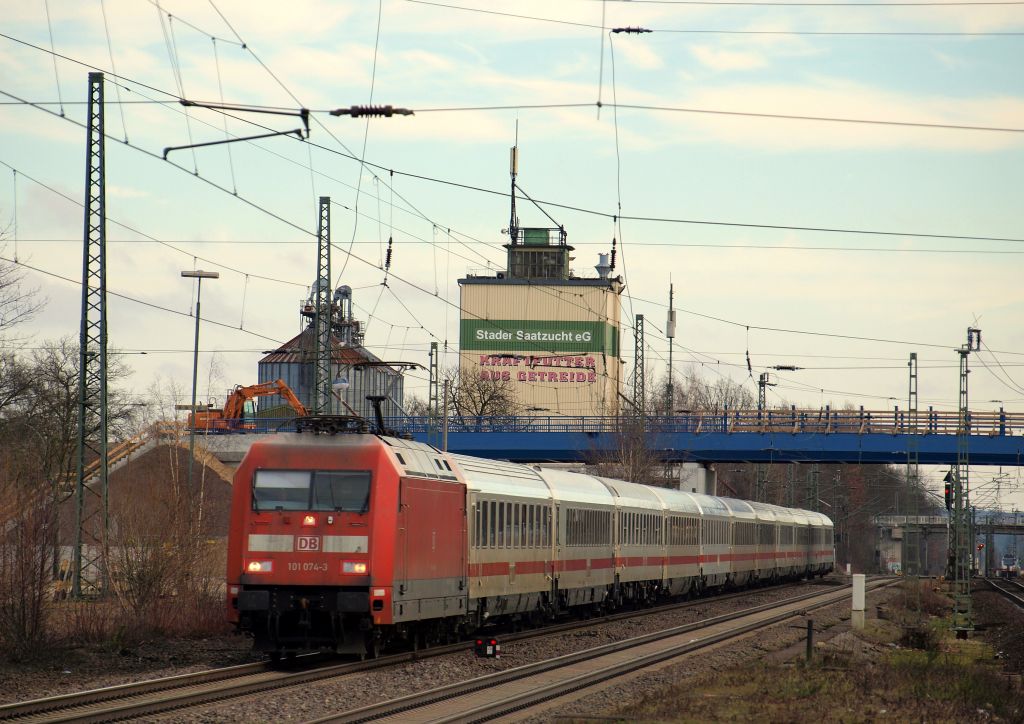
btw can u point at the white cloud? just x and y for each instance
(639, 55)
(723, 60)
(833, 98)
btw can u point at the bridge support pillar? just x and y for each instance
(698, 478)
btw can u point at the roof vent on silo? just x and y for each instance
(603, 269)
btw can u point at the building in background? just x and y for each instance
(550, 335)
(356, 371)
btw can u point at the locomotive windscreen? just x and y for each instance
(332, 490)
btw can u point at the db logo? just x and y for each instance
(307, 542)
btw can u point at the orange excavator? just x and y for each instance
(232, 417)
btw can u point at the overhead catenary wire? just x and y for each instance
(366, 137)
(683, 310)
(594, 212)
(53, 51)
(707, 31)
(113, 67)
(840, 4)
(143, 302)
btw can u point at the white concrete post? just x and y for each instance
(859, 589)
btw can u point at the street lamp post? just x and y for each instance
(199, 275)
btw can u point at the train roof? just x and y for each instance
(576, 487)
(763, 511)
(632, 495)
(501, 477)
(739, 508)
(709, 504)
(677, 501)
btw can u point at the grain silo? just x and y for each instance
(355, 370)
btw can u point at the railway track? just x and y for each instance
(1011, 589)
(127, 701)
(511, 691)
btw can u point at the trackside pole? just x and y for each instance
(857, 619)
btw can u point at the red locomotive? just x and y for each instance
(349, 542)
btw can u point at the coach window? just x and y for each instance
(500, 523)
(508, 525)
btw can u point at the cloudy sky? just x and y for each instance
(790, 233)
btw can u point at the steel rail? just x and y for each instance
(194, 689)
(403, 708)
(1010, 594)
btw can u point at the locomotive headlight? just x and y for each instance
(259, 566)
(353, 567)
(309, 521)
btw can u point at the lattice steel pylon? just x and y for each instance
(960, 527)
(433, 404)
(760, 472)
(639, 370)
(322, 376)
(89, 569)
(812, 487)
(911, 553)
(760, 483)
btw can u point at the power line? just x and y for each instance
(148, 238)
(142, 302)
(593, 212)
(685, 311)
(773, 329)
(630, 106)
(417, 241)
(693, 31)
(772, 3)
(717, 112)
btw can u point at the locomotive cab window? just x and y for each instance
(329, 490)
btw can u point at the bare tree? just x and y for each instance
(417, 407)
(17, 303)
(472, 396)
(27, 515)
(697, 394)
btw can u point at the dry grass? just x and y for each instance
(857, 677)
(905, 686)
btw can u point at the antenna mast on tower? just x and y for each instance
(670, 332)
(513, 169)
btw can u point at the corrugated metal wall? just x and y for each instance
(363, 381)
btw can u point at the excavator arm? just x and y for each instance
(234, 407)
(286, 392)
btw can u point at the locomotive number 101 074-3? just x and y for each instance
(308, 566)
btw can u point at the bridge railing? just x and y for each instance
(822, 421)
(792, 420)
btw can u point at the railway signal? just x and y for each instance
(487, 648)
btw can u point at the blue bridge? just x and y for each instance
(769, 436)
